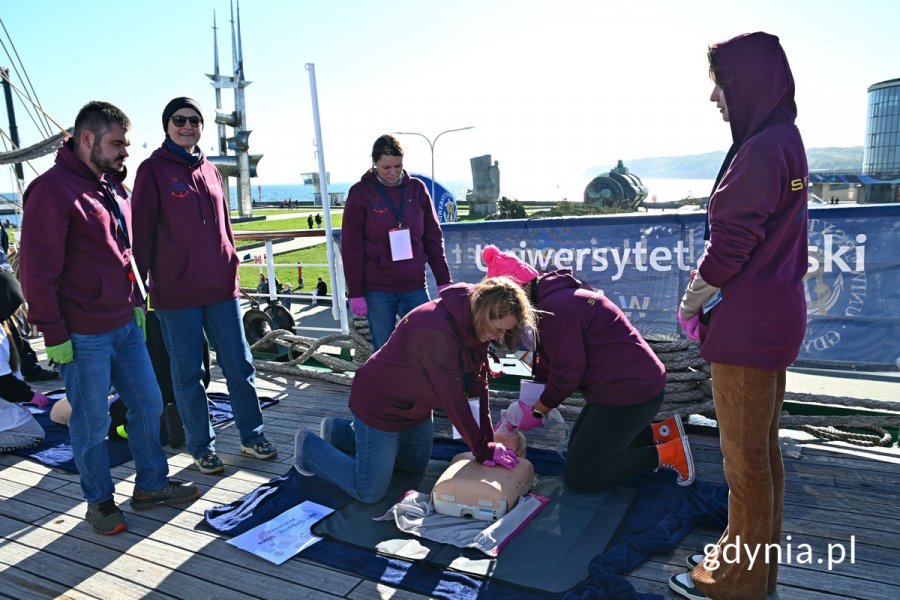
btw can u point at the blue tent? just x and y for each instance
(444, 203)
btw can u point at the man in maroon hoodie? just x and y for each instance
(79, 279)
(749, 300)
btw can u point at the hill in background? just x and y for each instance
(706, 166)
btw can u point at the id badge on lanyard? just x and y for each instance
(401, 244)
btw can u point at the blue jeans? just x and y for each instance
(385, 307)
(183, 334)
(363, 466)
(118, 357)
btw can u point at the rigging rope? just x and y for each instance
(688, 385)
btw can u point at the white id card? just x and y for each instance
(401, 244)
(530, 391)
(474, 406)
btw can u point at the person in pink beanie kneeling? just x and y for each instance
(585, 343)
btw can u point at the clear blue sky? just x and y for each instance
(552, 88)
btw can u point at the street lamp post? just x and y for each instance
(431, 145)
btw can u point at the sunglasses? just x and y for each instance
(180, 120)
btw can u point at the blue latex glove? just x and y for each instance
(502, 456)
(61, 353)
(140, 317)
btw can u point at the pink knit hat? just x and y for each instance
(507, 264)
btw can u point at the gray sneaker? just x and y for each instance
(262, 449)
(171, 495)
(210, 463)
(298, 452)
(325, 428)
(105, 517)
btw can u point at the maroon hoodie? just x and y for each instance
(757, 252)
(585, 343)
(366, 248)
(75, 260)
(182, 232)
(422, 367)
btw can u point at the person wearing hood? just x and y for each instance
(389, 232)
(747, 300)
(585, 343)
(79, 279)
(436, 358)
(183, 240)
(18, 428)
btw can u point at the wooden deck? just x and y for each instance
(835, 494)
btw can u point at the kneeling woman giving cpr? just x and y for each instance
(436, 358)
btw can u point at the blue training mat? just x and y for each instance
(661, 515)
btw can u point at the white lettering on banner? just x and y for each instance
(639, 303)
(598, 259)
(838, 253)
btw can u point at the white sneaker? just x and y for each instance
(693, 560)
(682, 585)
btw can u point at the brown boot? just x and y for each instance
(676, 455)
(668, 430)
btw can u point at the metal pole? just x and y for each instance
(431, 145)
(338, 306)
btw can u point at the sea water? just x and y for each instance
(661, 190)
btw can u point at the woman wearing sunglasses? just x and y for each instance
(183, 240)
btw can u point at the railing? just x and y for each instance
(338, 308)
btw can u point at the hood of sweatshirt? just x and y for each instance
(757, 81)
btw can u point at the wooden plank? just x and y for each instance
(22, 585)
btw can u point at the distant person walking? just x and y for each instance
(318, 220)
(389, 232)
(80, 286)
(309, 221)
(183, 239)
(747, 300)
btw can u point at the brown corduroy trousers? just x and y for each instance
(748, 407)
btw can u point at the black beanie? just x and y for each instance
(176, 103)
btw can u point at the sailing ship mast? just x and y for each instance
(242, 164)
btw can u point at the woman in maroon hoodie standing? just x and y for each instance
(754, 263)
(183, 239)
(586, 344)
(436, 358)
(389, 232)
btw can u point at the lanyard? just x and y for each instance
(398, 212)
(115, 209)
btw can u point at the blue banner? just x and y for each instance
(643, 263)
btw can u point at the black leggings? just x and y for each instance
(611, 444)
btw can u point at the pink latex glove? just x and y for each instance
(528, 421)
(40, 400)
(691, 327)
(359, 307)
(502, 456)
(441, 288)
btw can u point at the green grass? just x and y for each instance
(337, 217)
(312, 255)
